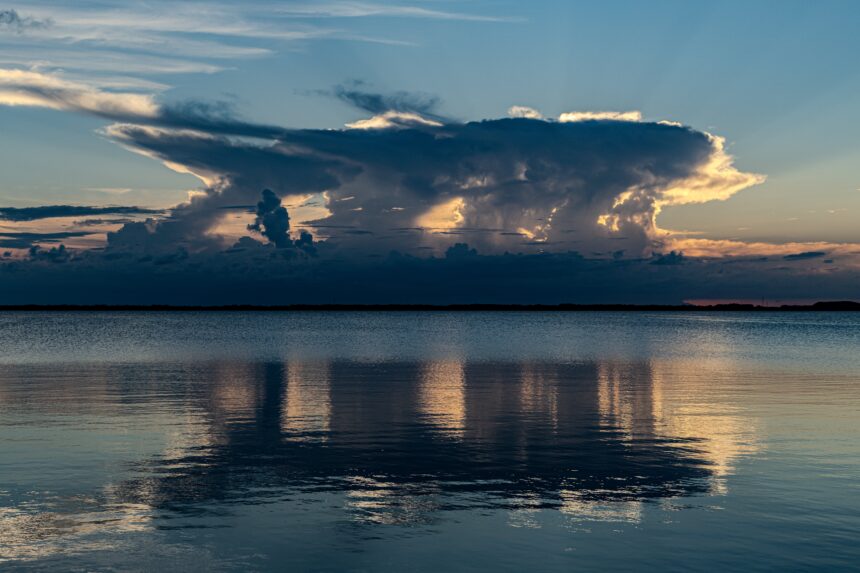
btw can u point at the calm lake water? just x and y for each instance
(429, 441)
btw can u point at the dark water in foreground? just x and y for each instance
(429, 441)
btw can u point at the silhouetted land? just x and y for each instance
(830, 306)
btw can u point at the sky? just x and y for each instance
(266, 152)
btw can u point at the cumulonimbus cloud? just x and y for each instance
(592, 182)
(506, 184)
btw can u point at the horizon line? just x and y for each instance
(829, 306)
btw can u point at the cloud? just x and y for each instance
(393, 119)
(30, 88)
(234, 171)
(412, 207)
(512, 184)
(519, 184)
(27, 88)
(524, 112)
(805, 255)
(11, 240)
(51, 211)
(272, 220)
(370, 9)
(167, 36)
(733, 248)
(11, 20)
(110, 190)
(98, 222)
(600, 116)
(378, 103)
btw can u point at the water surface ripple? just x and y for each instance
(429, 441)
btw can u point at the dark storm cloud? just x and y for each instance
(50, 211)
(238, 171)
(272, 220)
(210, 117)
(379, 103)
(27, 240)
(96, 222)
(398, 197)
(510, 178)
(672, 258)
(11, 20)
(805, 256)
(607, 179)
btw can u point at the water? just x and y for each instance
(429, 441)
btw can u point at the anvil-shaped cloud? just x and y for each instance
(589, 181)
(552, 210)
(410, 183)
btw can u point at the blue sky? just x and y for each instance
(777, 81)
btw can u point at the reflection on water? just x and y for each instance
(403, 441)
(443, 398)
(351, 463)
(306, 409)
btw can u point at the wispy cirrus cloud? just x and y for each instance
(370, 9)
(34, 89)
(160, 37)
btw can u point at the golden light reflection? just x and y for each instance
(232, 397)
(527, 515)
(442, 395)
(387, 503)
(624, 402)
(185, 433)
(27, 535)
(307, 401)
(692, 410)
(575, 504)
(680, 406)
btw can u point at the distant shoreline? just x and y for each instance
(828, 306)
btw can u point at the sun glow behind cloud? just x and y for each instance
(444, 216)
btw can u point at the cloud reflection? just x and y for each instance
(562, 436)
(396, 442)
